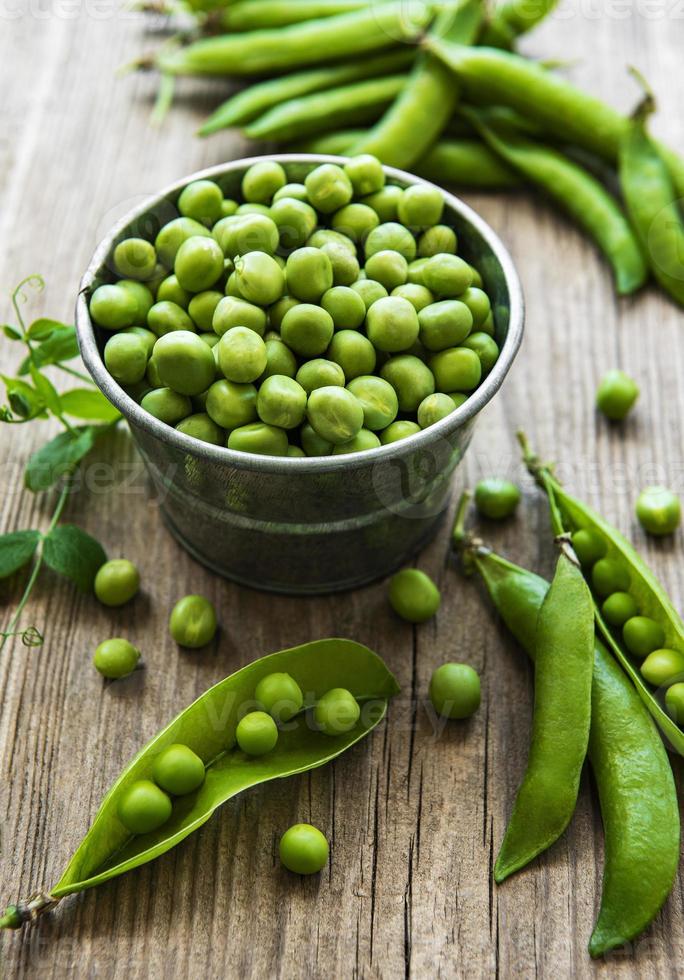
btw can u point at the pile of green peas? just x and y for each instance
(643, 637)
(146, 804)
(310, 319)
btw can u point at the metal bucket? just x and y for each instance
(315, 525)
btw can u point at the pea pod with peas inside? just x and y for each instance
(613, 567)
(208, 728)
(636, 788)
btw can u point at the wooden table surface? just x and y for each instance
(414, 817)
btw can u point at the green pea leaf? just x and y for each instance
(208, 728)
(43, 327)
(23, 398)
(88, 403)
(16, 549)
(11, 332)
(71, 552)
(58, 457)
(60, 345)
(46, 390)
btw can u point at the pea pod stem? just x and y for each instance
(575, 190)
(512, 18)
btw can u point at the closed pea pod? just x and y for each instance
(253, 15)
(207, 727)
(636, 790)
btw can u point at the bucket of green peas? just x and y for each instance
(300, 345)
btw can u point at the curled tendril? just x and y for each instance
(35, 283)
(30, 637)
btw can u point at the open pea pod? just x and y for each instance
(569, 515)
(208, 727)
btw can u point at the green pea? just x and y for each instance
(378, 400)
(201, 426)
(616, 395)
(642, 635)
(420, 206)
(256, 733)
(231, 405)
(456, 369)
(277, 312)
(280, 695)
(444, 324)
(365, 173)
(392, 236)
(674, 702)
(415, 271)
(328, 188)
(345, 266)
(413, 595)
(479, 305)
(609, 575)
(387, 267)
(260, 439)
(345, 306)
(663, 667)
(477, 278)
(418, 296)
(589, 546)
(296, 221)
(455, 691)
(335, 414)
(411, 379)
(618, 608)
(312, 443)
(398, 430)
(293, 190)
(171, 291)
(241, 355)
(125, 357)
(228, 207)
(437, 240)
(113, 307)
(363, 440)
(337, 712)
(318, 373)
(356, 221)
(658, 510)
(353, 352)
(307, 329)
(262, 180)
(172, 236)
(496, 498)
(202, 307)
(281, 401)
(486, 349)
(166, 405)
(142, 294)
(116, 582)
(369, 290)
(296, 452)
(458, 398)
(148, 338)
(234, 312)
(178, 770)
(192, 622)
(143, 807)
(279, 360)
(327, 236)
(134, 258)
(259, 278)
(385, 202)
(184, 362)
(434, 408)
(308, 273)
(202, 200)
(116, 658)
(199, 263)
(166, 317)
(446, 275)
(303, 849)
(243, 233)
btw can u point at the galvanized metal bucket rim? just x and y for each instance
(132, 411)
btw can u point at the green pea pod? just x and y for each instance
(652, 203)
(309, 114)
(489, 76)
(312, 42)
(568, 515)
(636, 788)
(512, 18)
(255, 15)
(420, 113)
(208, 727)
(547, 796)
(577, 192)
(257, 99)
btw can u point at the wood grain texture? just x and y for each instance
(414, 816)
